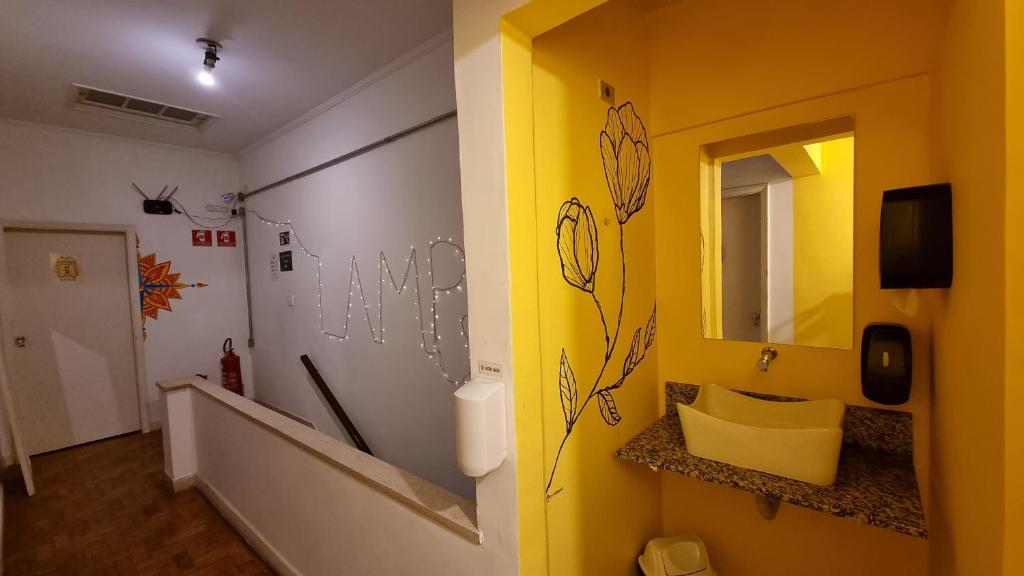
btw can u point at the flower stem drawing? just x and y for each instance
(625, 155)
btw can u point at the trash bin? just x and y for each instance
(682, 555)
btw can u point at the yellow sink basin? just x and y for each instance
(798, 440)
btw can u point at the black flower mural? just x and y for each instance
(627, 160)
(625, 155)
(577, 244)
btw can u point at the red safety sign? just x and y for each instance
(202, 238)
(226, 238)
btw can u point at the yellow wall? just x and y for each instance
(775, 53)
(892, 120)
(823, 250)
(712, 276)
(717, 72)
(601, 510)
(517, 70)
(721, 69)
(1013, 553)
(969, 350)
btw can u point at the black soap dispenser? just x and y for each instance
(885, 363)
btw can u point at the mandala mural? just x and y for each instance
(158, 286)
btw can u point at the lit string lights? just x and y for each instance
(429, 338)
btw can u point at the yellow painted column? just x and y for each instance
(1013, 552)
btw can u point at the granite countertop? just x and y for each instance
(876, 482)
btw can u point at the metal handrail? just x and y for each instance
(321, 385)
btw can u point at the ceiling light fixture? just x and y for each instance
(210, 59)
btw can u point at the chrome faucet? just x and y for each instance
(767, 355)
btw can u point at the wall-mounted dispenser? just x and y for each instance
(480, 426)
(915, 248)
(886, 363)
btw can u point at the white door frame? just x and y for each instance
(6, 303)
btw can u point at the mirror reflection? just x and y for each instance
(777, 233)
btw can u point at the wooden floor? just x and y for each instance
(104, 508)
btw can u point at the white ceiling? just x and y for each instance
(761, 169)
(280, 58)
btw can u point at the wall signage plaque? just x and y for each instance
(202, 238)
(492, 369)
(226, 238)
(65, 267)
(285, 259)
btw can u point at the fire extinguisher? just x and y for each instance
(231, 370)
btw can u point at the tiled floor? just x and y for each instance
(104, 508)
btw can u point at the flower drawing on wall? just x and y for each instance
(626, 158)
(577, 244)
(158, 286)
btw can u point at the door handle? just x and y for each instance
(20, 341)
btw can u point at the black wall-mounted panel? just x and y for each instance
(916, 237)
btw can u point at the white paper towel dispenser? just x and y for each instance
(480, 426)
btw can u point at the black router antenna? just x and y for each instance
(139, 190)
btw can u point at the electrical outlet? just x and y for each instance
(291, 300)
(607, 93)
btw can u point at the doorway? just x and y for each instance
(72, 334)
(744, 294)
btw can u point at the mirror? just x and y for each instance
(777, 236)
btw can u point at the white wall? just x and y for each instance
(317, 517)
(389, 526)
(391, 532)
(402, 195)
(478, 84)
(53, 174)
(780, 262)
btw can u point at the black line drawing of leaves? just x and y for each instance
(567, 386)
(651, 327)
(634, 356)
(606, 402)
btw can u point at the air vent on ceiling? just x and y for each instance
(137, 108)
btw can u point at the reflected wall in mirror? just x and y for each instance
(777, 236)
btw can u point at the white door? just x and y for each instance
(742, 268)
(72, 369)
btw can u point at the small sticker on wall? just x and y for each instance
(285, 238)
(286, 261)
(491, 369)
(275, 267)
(202, 238)
(226, 238)
(66, 268)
